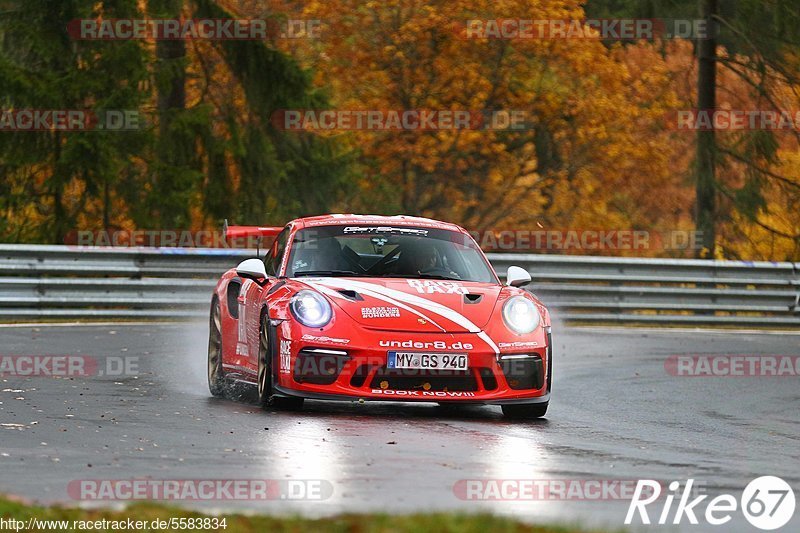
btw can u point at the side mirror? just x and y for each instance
(252, 269)
(517, 277)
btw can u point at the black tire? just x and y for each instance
(266, 398)
(217, 383)
(549, 362)
(264, 365)
(525, 411)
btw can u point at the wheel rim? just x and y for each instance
(263, 367)
(215, 346)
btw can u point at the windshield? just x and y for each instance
(387, 251)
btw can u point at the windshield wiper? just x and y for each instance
(438, 276)
(327, 273)
(420, 275)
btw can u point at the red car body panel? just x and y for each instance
(373, 316)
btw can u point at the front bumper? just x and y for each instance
(326, 367)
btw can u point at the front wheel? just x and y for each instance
(265, 393)
(216, 375)
(264, 366)
(525, 411)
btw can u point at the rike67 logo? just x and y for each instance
(767, 502)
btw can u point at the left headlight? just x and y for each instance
(520, 315)
(311, 309)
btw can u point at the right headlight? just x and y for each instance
(311, 309)
(520, 315)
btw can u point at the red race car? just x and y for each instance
(347, 307)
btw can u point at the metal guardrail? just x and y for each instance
(664, 291)
(58, 282)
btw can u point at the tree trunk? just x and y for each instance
(705, 206)
(57, 183)
(173, 149)
(172, 96)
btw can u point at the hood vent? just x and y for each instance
(472, 298)
(350, 295)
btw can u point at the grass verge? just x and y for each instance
(35, 518)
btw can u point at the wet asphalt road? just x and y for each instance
(615, 414)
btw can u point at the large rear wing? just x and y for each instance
(247, 232)
(236, 232)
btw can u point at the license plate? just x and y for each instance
(428, 361)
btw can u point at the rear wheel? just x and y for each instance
(525, 411)
(265, 391)
(216, 375)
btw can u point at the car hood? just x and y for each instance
(436, 306)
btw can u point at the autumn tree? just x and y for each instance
(745, 180)
(51, 181)
(206, 149)
(581, 160)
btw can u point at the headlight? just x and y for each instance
(520, 315)
(311, 309)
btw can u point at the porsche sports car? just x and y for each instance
(348, 307)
